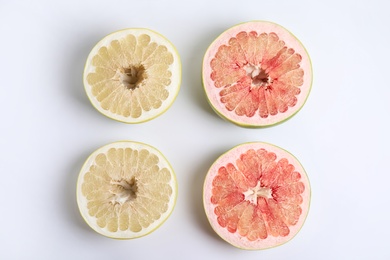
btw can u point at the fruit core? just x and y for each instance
(133, 76)
(123, 190)
(252, 194)
(259, 76)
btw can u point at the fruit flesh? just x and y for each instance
(260, 68)
(256, 74)
(121, 75)
(132, 75)
(256, 196)
(127, 191)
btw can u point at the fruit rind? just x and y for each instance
(173, 88)
(234, 238)
(229, 116)
(81, 200)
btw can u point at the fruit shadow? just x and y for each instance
(196, 195)
(69, 193)
(192, 69)
(75, 61)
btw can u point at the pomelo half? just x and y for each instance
(126, 190)
(132, 75)
(257, 74)
(256, 196)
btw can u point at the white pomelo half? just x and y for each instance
(257, 74)
(126, 190)
(132, 75)
(256, 196)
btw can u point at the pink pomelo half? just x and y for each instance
(257, 74)
(256, 196)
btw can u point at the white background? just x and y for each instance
(49, 127)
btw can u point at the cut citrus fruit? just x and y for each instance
(133, 75)
(257, 74)
(256, 196)
(126, 190)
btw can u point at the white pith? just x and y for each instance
(252, 194)
(126, 194)
(254, 71)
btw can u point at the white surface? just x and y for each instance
(49, 127)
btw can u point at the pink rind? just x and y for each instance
(234, 238)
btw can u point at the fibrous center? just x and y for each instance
(123, 190)
(132, 76)
(258, 75)
(252, 194)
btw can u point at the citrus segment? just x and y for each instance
(126, 190)
(132, 75)
(256, 196)
(256, 74)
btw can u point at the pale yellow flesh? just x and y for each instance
(126, 192)
(109, 80)
(132, 75)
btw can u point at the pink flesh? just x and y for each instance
(257, 74)
(256, 196)
(269, 54)
(268, 216)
